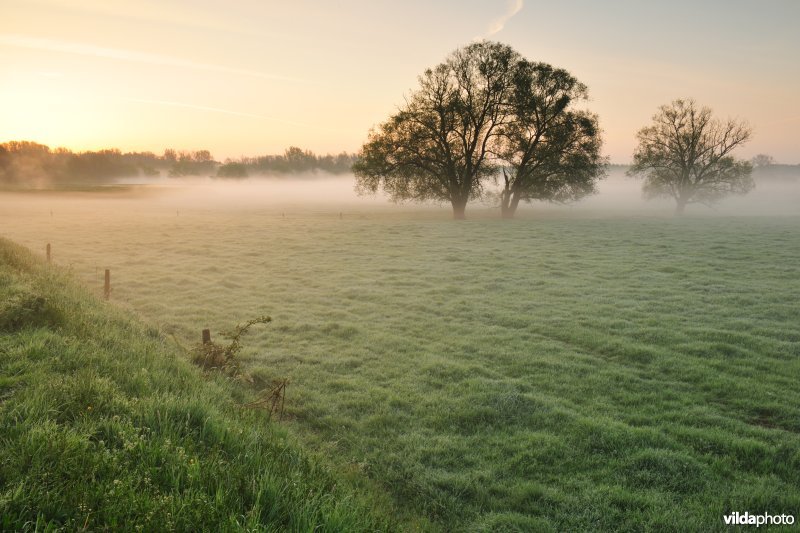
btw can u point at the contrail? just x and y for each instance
(514, 7)
(52, 45)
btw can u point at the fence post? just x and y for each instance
(48, 252)
(107, 286)
(206, 336)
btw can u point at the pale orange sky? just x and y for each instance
(254, 77)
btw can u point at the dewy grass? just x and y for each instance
(546, 373)
(103, 427)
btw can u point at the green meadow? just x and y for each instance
(550, 373)
(103, 426)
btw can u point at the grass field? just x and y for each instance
(547, 373)
(104, 427)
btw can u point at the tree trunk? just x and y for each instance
(505, 203)
(509, 204)
(459, 206)
(459, 209)
(680, 207)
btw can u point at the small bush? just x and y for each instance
(213, 356)
(25, 309)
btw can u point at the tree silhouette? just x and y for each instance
(485, 111)
(686, 155)
(551, 150)
(438, 145)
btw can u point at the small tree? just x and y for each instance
(437, 146)
(552, 151)
(686, 155)
(763, 160)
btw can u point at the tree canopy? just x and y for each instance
(551, 150)
(484, 110)
(437, 146)
(685, 154)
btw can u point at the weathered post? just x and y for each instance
(107, 286)
(48, 252)
(206, 336)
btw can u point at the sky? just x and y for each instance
(254, 77)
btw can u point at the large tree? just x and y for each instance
(438, 145)
(484, 110)
(551, 150)
(686, 154)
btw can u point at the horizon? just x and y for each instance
(160, 153)
(255, 79)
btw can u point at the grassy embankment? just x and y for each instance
(549, 373)
(103, 426)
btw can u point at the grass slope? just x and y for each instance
(102, 427)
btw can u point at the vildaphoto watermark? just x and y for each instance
(764, 519)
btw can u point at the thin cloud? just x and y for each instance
(209, 109)
(52, 45)
(212, 110)
(497, 25)
(153, 11)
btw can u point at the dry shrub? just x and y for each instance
(213, 356)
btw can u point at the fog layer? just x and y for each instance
(617, 195)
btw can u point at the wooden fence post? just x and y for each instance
(206, 336)
(48, 252)
(107, 286)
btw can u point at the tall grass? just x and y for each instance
(102, 426)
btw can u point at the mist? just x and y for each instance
(621, 195)
(617, 196)
(299, 191)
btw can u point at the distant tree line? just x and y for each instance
(25, 164)
(293, 161)
(765, 167)
(29, 164)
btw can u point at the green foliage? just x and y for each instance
(24, 307)
(103, 427)
(552, 151)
